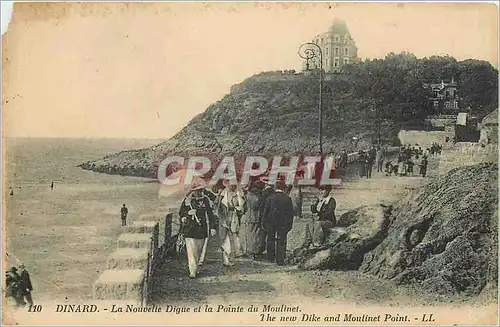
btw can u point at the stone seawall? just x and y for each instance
(466, 154)
(424, 138)
(131, 268)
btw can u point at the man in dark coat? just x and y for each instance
(124, 213)
(277, 222)
(25, 287)
(12, 281)
(197, 219)
(324, 207)
(423, 166)
(343, 161)
(266, 192)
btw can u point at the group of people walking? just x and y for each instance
(18, 285)
(375, 156)
(407, 158)
(250, 221)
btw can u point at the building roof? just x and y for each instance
(491, 118)
(339, 27)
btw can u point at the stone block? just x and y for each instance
(153, 216)
(134, 240)
(128, 258)
(117, 284)
(142, 226)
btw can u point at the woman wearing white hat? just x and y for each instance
(197, 219)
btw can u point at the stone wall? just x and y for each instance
(466, 154)
(424, 138)
(130, 269)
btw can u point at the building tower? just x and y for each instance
(338, 48)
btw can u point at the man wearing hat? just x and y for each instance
(197, 219)
(12, 281)
(324, 208)
(266, 192)
(25, 287)
(124, 213)
(277, 222)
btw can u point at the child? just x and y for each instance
(388, 168)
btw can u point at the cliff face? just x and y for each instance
(268, 114)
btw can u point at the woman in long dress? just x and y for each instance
(297, 198)
(231, 206)
(197, 219)
(254, 232)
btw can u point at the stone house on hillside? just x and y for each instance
(444, 96)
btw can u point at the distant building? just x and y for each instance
(338, 48)
(489, 128)
(444, 96)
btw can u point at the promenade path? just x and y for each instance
(262, 282)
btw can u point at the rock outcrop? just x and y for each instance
(442, 237)
(345, 247)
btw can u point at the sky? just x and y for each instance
(144, 70)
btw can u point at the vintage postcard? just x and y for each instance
(250, 163)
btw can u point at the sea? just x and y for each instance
(64, 235)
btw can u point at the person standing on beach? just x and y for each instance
(124, 213)
(277, 222)
(52, 185)
(25, 286)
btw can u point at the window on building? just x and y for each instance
(336, 39)
(346, 51)
(346, 61)
(336, 51)
(326, 62)
(336, 62)
(327, 51)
